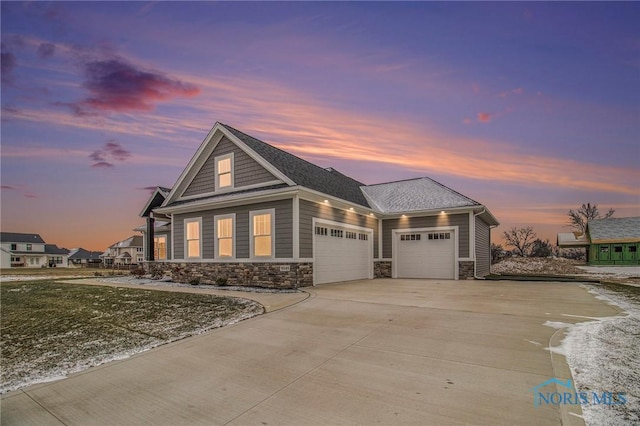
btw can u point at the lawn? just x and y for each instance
(21, 274)
(50, 329)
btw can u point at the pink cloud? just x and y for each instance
(484, 117)
(117, 86)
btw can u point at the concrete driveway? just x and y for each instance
(387, 352)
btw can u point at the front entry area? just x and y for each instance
(341, 253)
(425, 253)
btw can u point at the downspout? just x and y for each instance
(475, 254)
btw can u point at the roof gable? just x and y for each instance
(156, 199)
(304, 173)
(213, 138)
(414, 195)
(614, 230)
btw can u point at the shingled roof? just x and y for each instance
(304, 173)
(421, 194)
(614, 230)
(16, 237)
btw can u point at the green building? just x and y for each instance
(613, 241)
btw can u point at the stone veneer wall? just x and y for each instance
(382, 269)
(465, 270)
(267, 275)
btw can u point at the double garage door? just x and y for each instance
(341, 253)
(425, 254)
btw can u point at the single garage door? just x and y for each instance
(428, 254)
(341, 253)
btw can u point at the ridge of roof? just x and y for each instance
(303, 172)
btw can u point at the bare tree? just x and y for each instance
(579, 218)
(520, 238)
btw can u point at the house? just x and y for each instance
(20, 250)
(612, 241)
(249, 213)
(83, 257)
(126, 252)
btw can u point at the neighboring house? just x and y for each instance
(251, 214)
(82, 257)
(30, 251)
(612, 241)
(126, 252)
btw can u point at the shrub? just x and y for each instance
(221, 281)
(97, 274)
(139, 272)
(194, 281)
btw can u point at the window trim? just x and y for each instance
(156, 252)
(186, 241)
(216, 160)
(216, 244)
(252, 214)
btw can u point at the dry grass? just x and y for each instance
(50, 329)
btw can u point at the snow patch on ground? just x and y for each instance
(603, 356)
(165, 283)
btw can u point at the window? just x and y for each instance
(617, 249)
(604, 249)
(28, 247)
(14, 247)
(192, 237)
(321, 230)
(160, 247)
(224, 171)
(224, 236)
(337, 233)
(410, 237)
(633, 249)
(351, 235)
(139, 249)
(262, 238)
(440, 236)
(363, 237)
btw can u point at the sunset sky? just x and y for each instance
(528, 108)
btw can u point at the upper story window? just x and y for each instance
(29, 247)
(224, 171)
(262, 233)
(14, 247)
(193, 247)
(225, 226)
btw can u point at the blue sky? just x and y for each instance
(529, 108)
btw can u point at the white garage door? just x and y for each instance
(428, 254)
(341, 253)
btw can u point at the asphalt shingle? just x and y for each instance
(620, 229)
(420, 194)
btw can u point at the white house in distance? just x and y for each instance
(20, 250)
(247, 213)
(126, 252)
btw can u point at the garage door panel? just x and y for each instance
(341, 254)
(428, 254)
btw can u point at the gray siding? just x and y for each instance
(483, 248)
(460, 220)
(246, 170)
(309, 210)
(283, 229)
